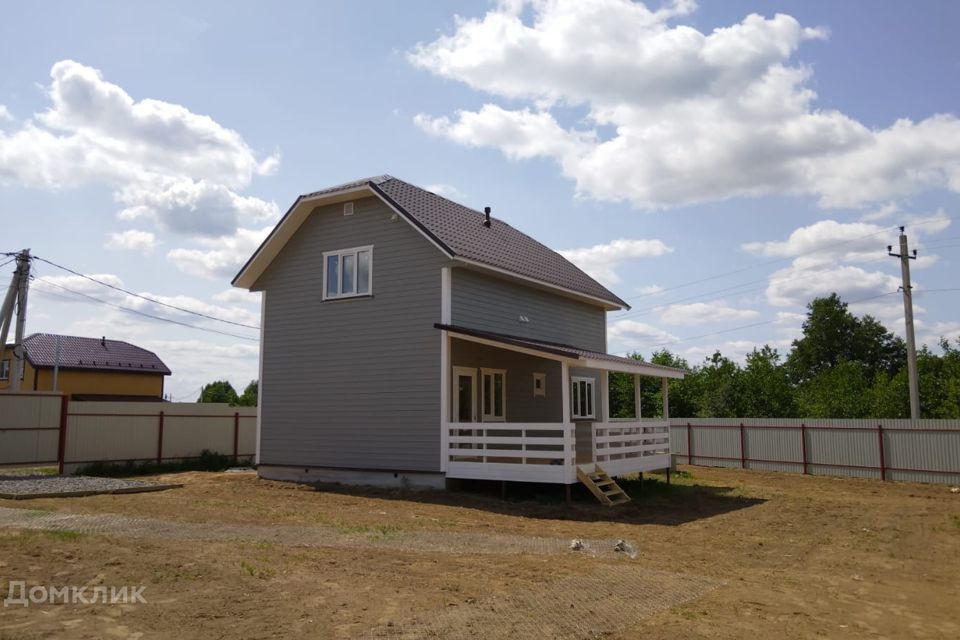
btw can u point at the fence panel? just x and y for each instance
(906, 450)
(29, 428)
(162, 431)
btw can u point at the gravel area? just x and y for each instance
(45, 486)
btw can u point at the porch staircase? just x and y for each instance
(601, 485)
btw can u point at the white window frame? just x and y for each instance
(539, 385)
(340, 253)
(491, 417)
(575, 397)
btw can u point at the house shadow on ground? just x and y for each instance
(653, 500)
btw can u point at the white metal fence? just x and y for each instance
(43, 429)
(905, 450)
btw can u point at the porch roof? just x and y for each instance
(564, 352)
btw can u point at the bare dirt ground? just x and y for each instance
(720, 554)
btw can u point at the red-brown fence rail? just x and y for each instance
(916, 451)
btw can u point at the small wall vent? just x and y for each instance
(348, 208)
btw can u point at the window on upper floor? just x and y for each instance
(348, 273)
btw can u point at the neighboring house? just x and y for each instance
(408, 339)
(88, 368)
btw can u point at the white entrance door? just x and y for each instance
(464, 394)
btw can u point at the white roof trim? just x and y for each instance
(641, 368)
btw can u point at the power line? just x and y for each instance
(147, 298)
(146, 315)
(762, 264)
(755, 324)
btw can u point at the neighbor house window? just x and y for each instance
(493, 394)
(348, 273)
(4, 369)
(581, 393)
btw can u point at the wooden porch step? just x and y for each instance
(603, 487)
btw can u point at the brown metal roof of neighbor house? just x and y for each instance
(462, 231)
(91, 353)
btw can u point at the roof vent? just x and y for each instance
(348, 208)
(103, 341)
(486, 217)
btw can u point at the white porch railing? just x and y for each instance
(631, 446)
(525, 452)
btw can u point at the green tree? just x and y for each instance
(841, 391)
(249, 396)
(831, 334)
(219, 391)
(765, 390)
(720, 390)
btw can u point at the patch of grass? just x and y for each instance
(255, 572)
(64, 535)
(955, 524)
(208, 461)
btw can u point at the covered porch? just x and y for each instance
(516, 409)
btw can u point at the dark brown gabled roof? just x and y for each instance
(461, 230)
(91, 353)
(456, 230)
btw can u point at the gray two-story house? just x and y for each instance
(407, 339)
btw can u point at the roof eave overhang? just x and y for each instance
(570, 358)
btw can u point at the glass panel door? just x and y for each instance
(464, 394)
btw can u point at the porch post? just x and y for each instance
(665, 392)
(636, 396)
(445, 372)
(605, 396)
(565, 392)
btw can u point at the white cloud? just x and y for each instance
(827, 241)
(797, 287)
(164, 162)
(132, 240)
(219, 257)
(789, 317)
(5, 114)
(702, 312)
(237, 296)
(601, 261)
(627, 335)
(650, 290)
(695, 116)
(445, 190)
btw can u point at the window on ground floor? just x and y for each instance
(581, 395)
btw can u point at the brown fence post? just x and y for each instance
(62, 444)
(803, 445)
(160, 440)
(743, 459)
(236, 435)
(883, 467)
(689, 444)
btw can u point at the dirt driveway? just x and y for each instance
(719, 554)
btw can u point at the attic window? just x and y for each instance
(348, 273)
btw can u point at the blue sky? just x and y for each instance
(153, 144)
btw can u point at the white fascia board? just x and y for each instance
(639, 368)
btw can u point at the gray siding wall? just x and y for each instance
(494, 304)
(522, 406)
(353, 383)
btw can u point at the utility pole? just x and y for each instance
(905, 258)
(23, 288)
